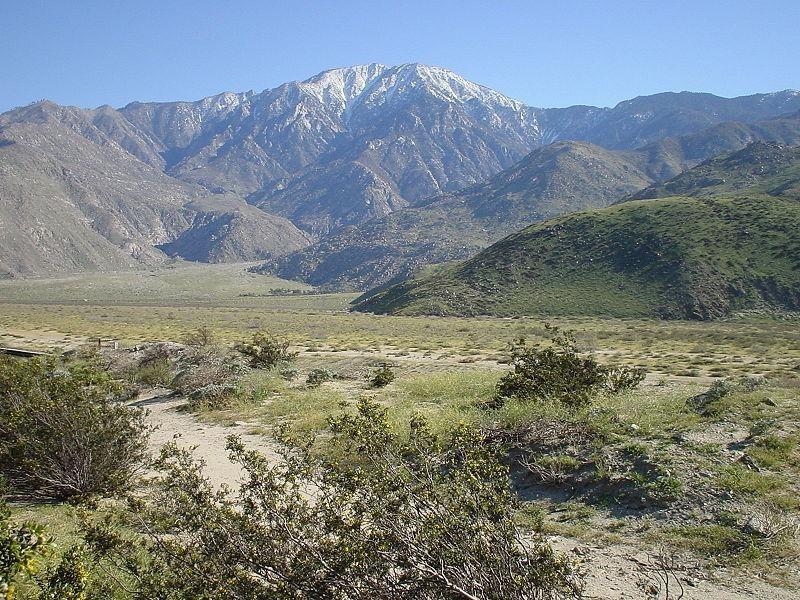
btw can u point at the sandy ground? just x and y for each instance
(616, 572)
(612, 572)
(207, 440)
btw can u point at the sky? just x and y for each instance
(544, 53)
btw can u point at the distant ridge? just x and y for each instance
(557, 179)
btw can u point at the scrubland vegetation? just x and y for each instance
(418, 456)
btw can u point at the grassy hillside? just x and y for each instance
(767, 167)
(695, 258)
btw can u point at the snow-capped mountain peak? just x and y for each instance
(343, 85)
(377, 84)
(401, 81)
(452, 87)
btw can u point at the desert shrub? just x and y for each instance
(710, 403)
(319, 376)
(619, 379)
(559, 374)
(154, 366)
(290, 374)
(208, 378)
(266, 350)
(64, 432)
(157, 372)
(202, 337)
(411, 517)
(20, 547)
(382, 377)
(751, 383)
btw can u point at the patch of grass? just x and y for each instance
(267, 398)
(156, 372)
(772, 451)
(184, 283)
(568, 519)
(713, 540)
(443, 398)
(654, 411)
(741, 481)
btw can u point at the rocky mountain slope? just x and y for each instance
(553, 180)
(343, 148)
(558, 178)
(676, 257)
(356, 143)
(72, 198)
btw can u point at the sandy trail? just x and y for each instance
(615, 572)
(208, 440)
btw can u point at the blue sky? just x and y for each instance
(553, 53)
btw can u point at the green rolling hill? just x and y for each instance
(728, 243)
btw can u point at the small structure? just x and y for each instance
(107, 343)
(22, 352)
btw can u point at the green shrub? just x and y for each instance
(319, 376)
(266, 350)
(155, 372)
(382, 377)
(403, 517)
(153, 367)
(64, 432)
(710, 403)
(558, 374)
(20, 547)
(69, 579)
(619, 379)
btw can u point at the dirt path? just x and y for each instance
(615, 572)
(173, 424)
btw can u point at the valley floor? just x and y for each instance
(444, 366)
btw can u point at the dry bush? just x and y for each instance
(208, 378)
(202, 337)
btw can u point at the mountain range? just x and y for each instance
(556, 179)
(716, 239)
(360, 162)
